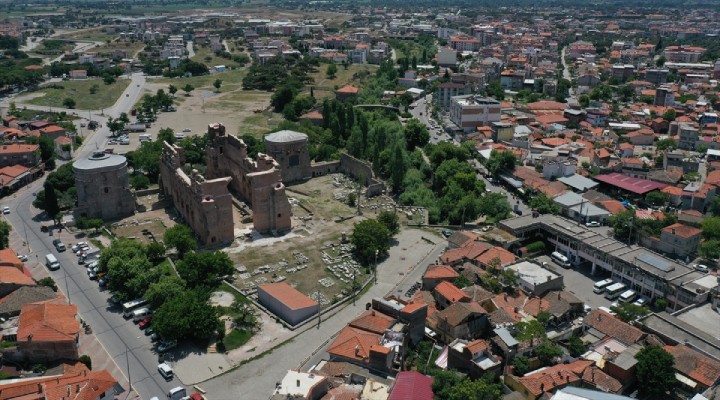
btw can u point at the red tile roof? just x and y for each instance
(9, 259)
(476, 346)
(348, 89)
(288, 295)
(412, 385)
(554, 377)
(503, 255)
(48, 322)
(607, 324)
(14, 275)
(440, 272)
(412, 307)
(595, 377)
(13, 171)
(613, 206)
(354, 344)
(79, 384)
(635, 185)
(450, 292)
(695, 365)
(18, 148)
(373, 321)
(681, 230)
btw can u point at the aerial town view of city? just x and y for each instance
(359, 200)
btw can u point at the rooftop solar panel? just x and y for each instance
(655, 261)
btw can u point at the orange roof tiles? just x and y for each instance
(615, 207)
(14, 275)
(18, 148)
(487, 257)
(608, 325)
(412, 307)
(373, 321)
(600, 380)
(288, 295)
(551, 378)
(354, 344)
(694, 364)
(477, 346)
(440, 272)
(47, 322)
(77, 384)
(9, 259)
(683, 231)
(450, 292)
(348, 89)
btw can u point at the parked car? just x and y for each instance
(701, 267)
(6, 210)
(103, 281)
(145, 323)
(22, 257)
(59, 245)
(165, 371)
(187, 130)
(641, 301)
(166, 345)
(592, 224)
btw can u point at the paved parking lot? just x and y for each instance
(579, 282)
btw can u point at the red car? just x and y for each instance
(145, 323)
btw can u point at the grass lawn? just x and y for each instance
(236, 338)
(342, 78)
(230, 80)
(238, 297)
(202, 54)
(79, 90)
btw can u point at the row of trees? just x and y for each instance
(180, 300)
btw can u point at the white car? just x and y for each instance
(701, 268)
(641, 302)
(592, 224)
(6, 210)
(22, 257)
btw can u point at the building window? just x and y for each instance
(294, 160)
(279, 215)
(107, 190)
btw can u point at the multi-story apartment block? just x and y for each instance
(446, 91)
(683, 54)
(469, 112)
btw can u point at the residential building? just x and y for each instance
(470, 112)
(446, 57)
(436, 274)
(656, 76)
(689, 136)
(411, 385)
(446, 91)
(48, 332)
(23, 154)
(446, 294)
(606, 324)
(696, 371)
(11, 304)
(460, 320)
(304, 385)
(664, 97)
(12, 279)
(474, 358)
(287, 302)
(683, 54)
(535, 279)
(678, 240)
(75, 383)
(346, 92)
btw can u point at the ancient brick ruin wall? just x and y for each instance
(258, 182)
(206, 205)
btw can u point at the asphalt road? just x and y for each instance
(115, 333)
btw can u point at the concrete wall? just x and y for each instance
(292, 317)
(206, 205)
(259, 182)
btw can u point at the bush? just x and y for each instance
(85, 359)
(535, 247)
(49, 282)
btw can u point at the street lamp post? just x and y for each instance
(354, 291)
(376, 271)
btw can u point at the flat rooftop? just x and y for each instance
(680, 331)
(638, 256)
(533, 273)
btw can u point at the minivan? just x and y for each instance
(139, 314)
(59, 245)
(177, 393)
(51, 262)
(145, 138)
(165, 371)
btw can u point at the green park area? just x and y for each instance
(89, 94)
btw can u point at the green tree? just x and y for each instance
(331, 71)
(69, 102)
(547, 352)
(181, 238)
(399, 167)
(710, 249)
(129, 278)
(711, 228)
(85, 359)
(204, 269)
(172, 89)
(575, 346)
(217, 85)
(108, 79)
(481, 389)
(188, 316)
(530, 330)
(669, 115)
(51, 206)
(5, 229)
(624, 225)
(371, 239)
(494, 89)
(629, 312)
(521, 365)
(416, 134)
(187, 89)
(495, 206)
(666, 144)
(282, 96)
(167, 287)
(584, 101)
(501, 161)
(657, 198)
(544, 204)
(139, 182)
(390, 220)
(655, 372)
(49, 282)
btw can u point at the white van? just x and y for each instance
(51, 262)
(560, 259)
(177, 393)
(627, 296)
(165, 371)
(140, 314)
(600, 286)
(613, 291)
(131, 305)
(145, 138)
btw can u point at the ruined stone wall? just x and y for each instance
(258, 182)
(363, 172)
(206, 205)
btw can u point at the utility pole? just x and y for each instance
(127, 362)
(376, 265)
(354, 292)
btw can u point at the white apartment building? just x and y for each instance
(469, 112)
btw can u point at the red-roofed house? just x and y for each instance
(436, 274)
(411, 385)
(12, 279)
(346, 92)
(473, 358)
(361, 347)
(702, 370)
(679, 240)
(287, 302)
(533, 385)
(24, 154)
(9, 259)
(446, 294)
(491, 257)
(373, 321)
(63, 147)
(608, 325)
(48, 331)
(77, 384)
(78, 74)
